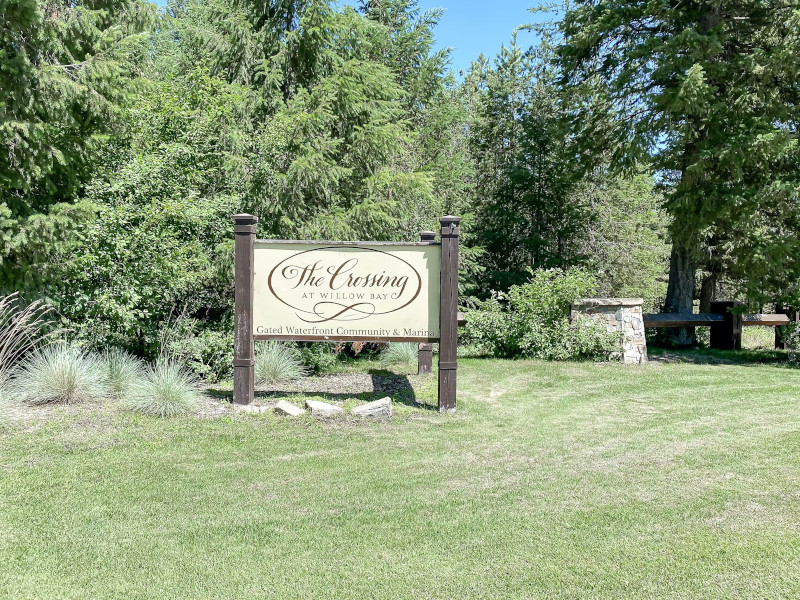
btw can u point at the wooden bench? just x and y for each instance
(726, 325)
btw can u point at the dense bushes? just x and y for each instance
(532, 320)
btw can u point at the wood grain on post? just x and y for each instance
(448, 315)
(244, 234)
(727, 334)
(425, 350)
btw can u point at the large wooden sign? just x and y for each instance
(347, 291)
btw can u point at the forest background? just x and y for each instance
(653, 147)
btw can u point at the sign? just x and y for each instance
(346, 292)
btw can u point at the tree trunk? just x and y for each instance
(680, 291)
(708, 289)
(685, 238)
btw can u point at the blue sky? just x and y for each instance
(470, 27)
(474, 26)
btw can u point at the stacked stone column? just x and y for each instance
(618, 315)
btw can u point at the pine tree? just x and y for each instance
(62, 73)
(707, 93)
(528, 215)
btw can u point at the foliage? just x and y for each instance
(532, 320)
(166, 390)
(400, 353)
(207, 352)
(60, 372)
(791, 337)
(276, 361)
(704, 92)
(158, 246)
(319, 357)
(324, 121)
(626, 241)
(63, 73)
(527, 214)
(131, 138)
(22, 329)
(122, 371)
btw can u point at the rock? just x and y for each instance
(287, 408)
(323, 409)
(253, 408)
(379, 408)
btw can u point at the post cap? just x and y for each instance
(450, 219)
(427, 236)
(245, 219)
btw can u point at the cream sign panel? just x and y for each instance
(342, 292)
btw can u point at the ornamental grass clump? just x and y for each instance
(278, 362)
(166, 389)
(122, 371)
(400, 353)
(60, 372)
(22, 329)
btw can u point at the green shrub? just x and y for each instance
(167, 389)
(400, 353)
(60, 372)
(791, 337)
(276, 361)
(122, 371)
(532, 320)
(208, 353)
(319, 357)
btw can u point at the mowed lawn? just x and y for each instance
(574, 480)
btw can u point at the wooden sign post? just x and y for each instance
(347, 292)
(244, 235)
(448, 342)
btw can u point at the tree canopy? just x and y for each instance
(706, 92)
(632, 131)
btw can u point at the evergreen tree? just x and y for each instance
(62, 74)
(707, 92)
(528, 215)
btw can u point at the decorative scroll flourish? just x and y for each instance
(345, 310)
(332, 284)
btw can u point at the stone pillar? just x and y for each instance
(619, 315)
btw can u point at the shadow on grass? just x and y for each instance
(334, 388)
(707, 356)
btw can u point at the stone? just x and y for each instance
(287, 408)
(378, 408)
(323, 409)
(617, 315)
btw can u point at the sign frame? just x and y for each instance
(244, 231)
(378, 248)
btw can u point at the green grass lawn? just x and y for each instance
(680, 479)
